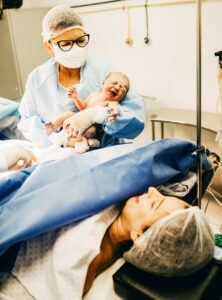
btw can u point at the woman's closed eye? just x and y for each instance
(156, 203)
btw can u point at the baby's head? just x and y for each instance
(115, 86)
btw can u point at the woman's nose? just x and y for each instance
(154, 193)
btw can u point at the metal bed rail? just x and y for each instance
(163, 121)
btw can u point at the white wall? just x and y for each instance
(165, 68)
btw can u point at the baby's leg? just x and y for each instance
(50, 127)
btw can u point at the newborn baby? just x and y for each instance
(114, 88)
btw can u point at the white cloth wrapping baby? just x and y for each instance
(54, 265)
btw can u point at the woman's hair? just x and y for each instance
(58, 18)
(177, 245)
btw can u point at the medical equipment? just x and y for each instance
(129, 40)
(146, 39)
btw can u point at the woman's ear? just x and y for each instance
(134, 235)
(49, 48)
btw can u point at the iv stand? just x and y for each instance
(198, 108)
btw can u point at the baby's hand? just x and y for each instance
(72, 93)
(114, 111)
(49, 128)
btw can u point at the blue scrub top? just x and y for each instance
(45, 99)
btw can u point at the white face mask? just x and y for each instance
(74, 58)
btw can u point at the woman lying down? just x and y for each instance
(159, 234)
(167, 236)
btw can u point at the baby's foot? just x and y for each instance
(49, 128)
(72, 93)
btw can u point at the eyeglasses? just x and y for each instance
(66, 45)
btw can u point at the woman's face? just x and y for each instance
(141, 212)
(71, 34)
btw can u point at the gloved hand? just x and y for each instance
(76, 125)
(14, 153)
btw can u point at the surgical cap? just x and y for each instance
(57, 19)
(177, 245)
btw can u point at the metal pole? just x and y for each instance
(199, 154)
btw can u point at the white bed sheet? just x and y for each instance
(102, 289)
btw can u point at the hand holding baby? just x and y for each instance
(79, 123)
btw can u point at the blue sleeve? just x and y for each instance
(31, 124)
(131, 118)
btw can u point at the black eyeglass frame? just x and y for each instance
(73, 42)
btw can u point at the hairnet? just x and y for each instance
(59, 18)
(177, 245)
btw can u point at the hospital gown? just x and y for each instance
(54, 265)
(45, 99)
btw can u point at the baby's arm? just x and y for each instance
(113, 107)
(50, 127)
(80, 104)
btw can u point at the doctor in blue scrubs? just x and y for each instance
(45, 94)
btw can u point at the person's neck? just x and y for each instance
(103, 96)
(111, 249)
(68, 77)
(118, 233)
